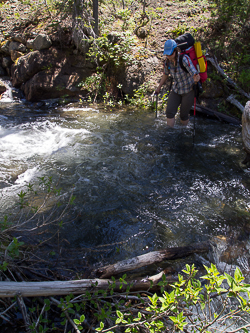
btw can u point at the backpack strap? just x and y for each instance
(181, 62)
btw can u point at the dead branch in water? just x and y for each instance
(50, 288)
(151, 258)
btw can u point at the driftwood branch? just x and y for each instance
(214, 62)
(52, 288)
(236, 103)
(76, 287)
(23, 309)
(218, 115)
(151, 258)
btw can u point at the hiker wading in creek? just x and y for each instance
(182, 92)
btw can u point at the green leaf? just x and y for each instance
(119, 314)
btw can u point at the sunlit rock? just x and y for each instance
(246, 131)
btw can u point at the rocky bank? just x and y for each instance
(40, 55)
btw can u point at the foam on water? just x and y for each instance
(21, 145)
(7, 96)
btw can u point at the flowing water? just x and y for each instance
(139, 185)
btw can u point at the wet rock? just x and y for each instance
(44, 86)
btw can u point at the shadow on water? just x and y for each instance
(139, 185)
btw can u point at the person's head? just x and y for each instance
(169, 47)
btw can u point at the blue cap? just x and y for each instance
(169, 47)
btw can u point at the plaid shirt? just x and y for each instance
(182, 81)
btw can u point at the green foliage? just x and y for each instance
(244, 79)
(187, 295)
(112, 53)
(233, 10)
(140, 97)
(13, 248)
(187, 305)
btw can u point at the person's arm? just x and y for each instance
(163, 80)
(190, 68)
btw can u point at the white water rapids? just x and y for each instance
(139, 185)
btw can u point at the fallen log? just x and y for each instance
(52, 288)
(151, 258)
(214, 62)
(218, 115)
(76, 287)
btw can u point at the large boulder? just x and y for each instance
(137, 74)
(49, 74)
(44, 85)
(246, 131)
(41, 42)
(34, 62)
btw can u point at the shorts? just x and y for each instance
(185, 100)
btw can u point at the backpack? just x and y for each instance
(191, 48)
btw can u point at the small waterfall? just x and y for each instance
(11, 95)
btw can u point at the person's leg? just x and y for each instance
(174, 100)
(187, 102)
(170, 122)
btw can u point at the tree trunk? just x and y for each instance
(95, 16)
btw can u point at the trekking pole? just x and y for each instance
(195, 94)
(156, 104)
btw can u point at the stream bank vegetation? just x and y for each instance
(131, 31)
(188, 301)
(113, 298)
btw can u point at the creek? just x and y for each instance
(139, 185)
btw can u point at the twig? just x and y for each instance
(6, 319)
(40, 316)
(11, 306)
(23, 309)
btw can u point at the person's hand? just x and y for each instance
(157, 90)
(196, 78)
